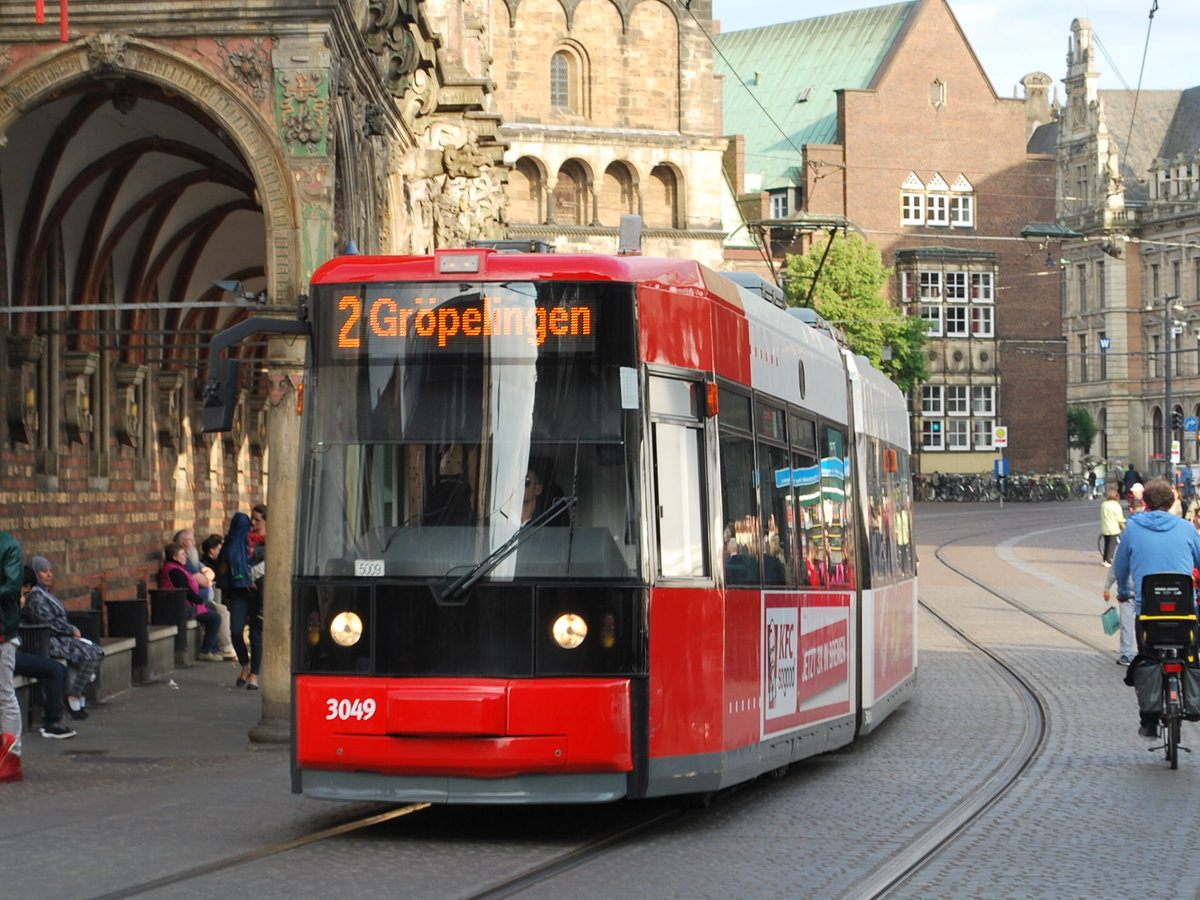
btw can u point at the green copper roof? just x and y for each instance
(780, 81)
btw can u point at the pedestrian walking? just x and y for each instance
(1112, 523)
(11, 568)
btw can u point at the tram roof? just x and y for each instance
(493, 265)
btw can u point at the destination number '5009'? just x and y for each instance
(350, 709)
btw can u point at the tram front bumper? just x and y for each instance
(483, 728)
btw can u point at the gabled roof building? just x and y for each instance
(883, 121)
(1129, 185)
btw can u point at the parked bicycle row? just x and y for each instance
(1027, 488)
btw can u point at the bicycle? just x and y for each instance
(1168, 675)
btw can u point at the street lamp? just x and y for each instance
(1168, 411)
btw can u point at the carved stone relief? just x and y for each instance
(302, 99)
(170, 409)
(128, 425)
(106, 54)
(247, 64)
(78, 367)
(21, 398)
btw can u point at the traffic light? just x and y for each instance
(1176, 419)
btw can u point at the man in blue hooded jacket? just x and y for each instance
(1155, 541)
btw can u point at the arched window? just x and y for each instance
(560, 81)
(617, 194)
(662, 199)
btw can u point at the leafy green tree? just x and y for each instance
(850, 291)
(1081, 429)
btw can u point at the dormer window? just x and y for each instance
(936, 203)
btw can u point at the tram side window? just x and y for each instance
(742, 537)
(880, 514)
(902, 491)
(835, 487)
(810, 533)
(775, 482)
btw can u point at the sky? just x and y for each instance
(1015, 37)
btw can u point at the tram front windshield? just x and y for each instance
(472, 431)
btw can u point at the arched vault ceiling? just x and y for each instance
(149, 197)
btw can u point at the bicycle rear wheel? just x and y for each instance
(1172, 727)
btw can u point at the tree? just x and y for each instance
(1081, 429)
(849, 291)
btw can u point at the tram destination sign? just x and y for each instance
(430, 320)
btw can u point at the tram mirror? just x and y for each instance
(220, 396)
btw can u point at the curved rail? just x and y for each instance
(922, 849)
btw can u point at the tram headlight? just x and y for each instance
(569, 630)
(346, 629)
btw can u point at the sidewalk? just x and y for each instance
(196, 712)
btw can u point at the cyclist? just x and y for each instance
(1154, 541)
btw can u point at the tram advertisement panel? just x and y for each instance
(894, 639)
(806, 658)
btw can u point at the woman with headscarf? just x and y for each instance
(240, 594)
(82, 656)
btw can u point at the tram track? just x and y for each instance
(259, 853)
(924, 848)
(885, 879)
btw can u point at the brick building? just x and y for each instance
(883, 121)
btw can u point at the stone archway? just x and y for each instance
(114, 55)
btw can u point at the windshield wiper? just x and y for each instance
(463, 583)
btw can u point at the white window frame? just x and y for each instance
(958, 400)
(906, 286)
(930, 285)
(931, 400)
(956, 287)
(937, 209)
(932, 314)
(962, 211)
(983, 399)
(983, 321)
(983, 287)
(982, 433)
(912, 208)
(958, 434)
(930, 439)
(779, 204)
(956, 324)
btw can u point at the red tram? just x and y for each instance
(581, 528)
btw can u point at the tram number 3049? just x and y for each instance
(350, 709)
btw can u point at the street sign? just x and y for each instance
(1191, 423)
(1105, 342)
(1000, 436)
(1175, 451)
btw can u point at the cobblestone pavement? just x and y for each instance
(163, 778)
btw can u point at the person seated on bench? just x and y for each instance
(175, 576)
(51, 677)
(82, 656)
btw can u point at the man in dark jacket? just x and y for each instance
(11, 566)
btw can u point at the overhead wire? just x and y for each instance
(1137, 92)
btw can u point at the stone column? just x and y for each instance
(304, 81)
(283, 437)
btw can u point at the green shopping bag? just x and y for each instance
(1111, 620)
